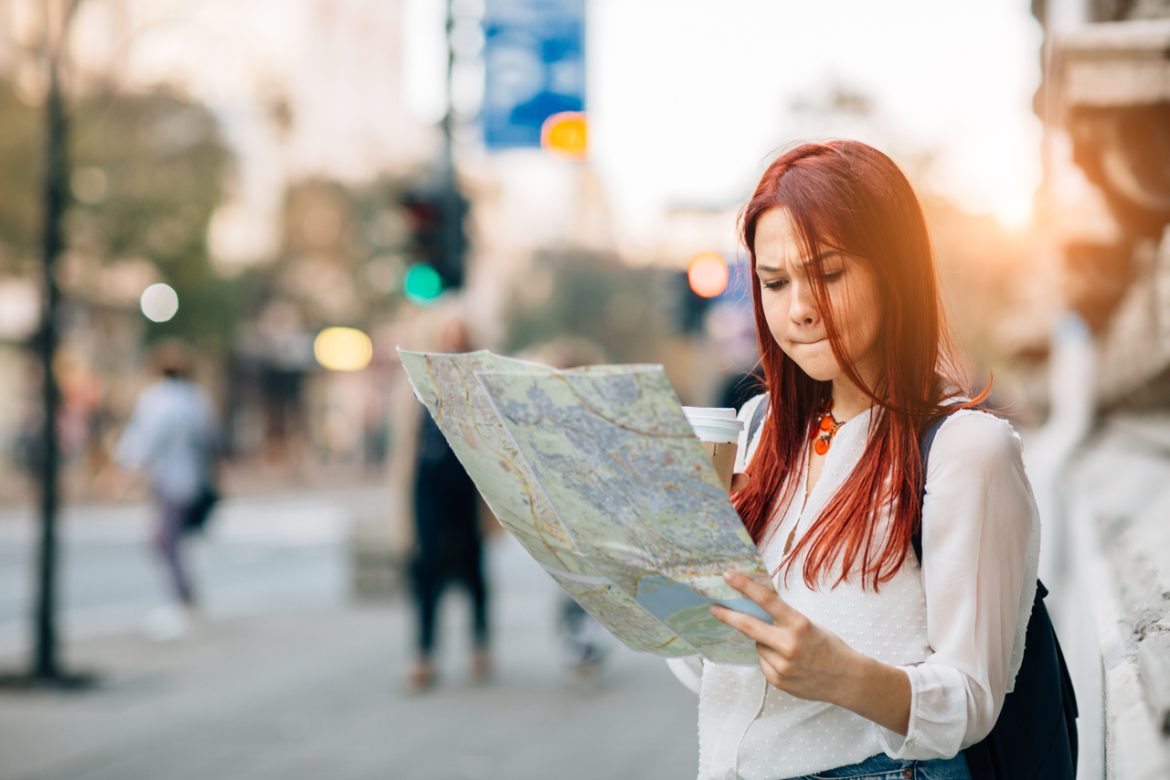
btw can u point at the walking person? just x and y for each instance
(448, 539)
(901, 591)
(172, 436)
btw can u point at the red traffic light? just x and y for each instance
(707, 274)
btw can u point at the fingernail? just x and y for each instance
(728, 575)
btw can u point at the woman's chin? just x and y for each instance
(819, 371)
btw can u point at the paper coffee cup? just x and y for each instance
(718, 431)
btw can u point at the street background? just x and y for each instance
(294, 188)
(289, 677)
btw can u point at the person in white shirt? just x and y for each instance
(872, 665)
(172, 437)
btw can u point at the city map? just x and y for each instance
(598, 475)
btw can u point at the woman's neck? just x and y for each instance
(848, 399)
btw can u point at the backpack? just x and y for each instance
(1035, 736)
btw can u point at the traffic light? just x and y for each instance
(704, 281)
(707, 274)
(438, 241)
(422, 283)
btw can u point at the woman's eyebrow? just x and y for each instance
(821, 257)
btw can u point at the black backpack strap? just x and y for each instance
(929, 431)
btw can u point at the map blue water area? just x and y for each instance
(663, 597)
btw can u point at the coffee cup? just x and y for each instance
(718, 431)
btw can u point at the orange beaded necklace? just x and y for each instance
(826, 429)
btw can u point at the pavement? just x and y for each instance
(288, 677)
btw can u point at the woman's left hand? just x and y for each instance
(796, 655)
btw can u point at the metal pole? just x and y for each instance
(450, 196)
(45, 662)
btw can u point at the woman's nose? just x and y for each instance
(801, 306)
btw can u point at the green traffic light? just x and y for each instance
(422, 283)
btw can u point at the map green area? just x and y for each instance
(599, 476)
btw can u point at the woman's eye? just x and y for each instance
(833, 276)
(775, 284)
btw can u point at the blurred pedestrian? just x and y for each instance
(172, 437)
(448, 541)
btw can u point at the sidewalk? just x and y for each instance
(239, 478)
(314, 693)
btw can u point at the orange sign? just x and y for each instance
(566, 134)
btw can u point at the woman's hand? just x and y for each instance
(801, 658)
(796, 655)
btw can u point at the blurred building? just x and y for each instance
(1106, 102)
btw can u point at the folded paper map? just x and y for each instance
(599, 476)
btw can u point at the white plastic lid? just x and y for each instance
(714, 424)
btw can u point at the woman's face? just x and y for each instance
(791, 311)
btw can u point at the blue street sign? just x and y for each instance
(534, 62)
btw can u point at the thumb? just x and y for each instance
(739, 481)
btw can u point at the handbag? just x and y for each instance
(195, 518)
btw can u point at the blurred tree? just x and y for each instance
(593, 296)
(343, 252)
(147, 171)
(21, 161)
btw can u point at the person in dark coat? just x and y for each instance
(448, 541)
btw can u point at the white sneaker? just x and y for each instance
(165, 624)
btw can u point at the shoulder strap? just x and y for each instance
(929, 431)
(757, 419)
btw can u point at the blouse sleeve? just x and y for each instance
(980, 533)
(689, 671)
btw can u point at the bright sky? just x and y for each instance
(690, 98)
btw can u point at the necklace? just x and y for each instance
(826, 429)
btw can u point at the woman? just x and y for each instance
(872, 666)
(448, 543)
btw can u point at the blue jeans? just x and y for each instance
(882, 767)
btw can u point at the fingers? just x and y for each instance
(764, 595)
(751, 627)
(739, 481)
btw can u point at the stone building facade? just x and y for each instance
(1106, 104)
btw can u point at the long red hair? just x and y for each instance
(848, 196)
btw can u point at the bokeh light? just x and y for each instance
(707, 274)
(422, 284)
(343, 349)
(159, 302)
(566, 134)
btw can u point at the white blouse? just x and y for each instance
(956, 625)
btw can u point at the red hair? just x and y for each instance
(848, 196)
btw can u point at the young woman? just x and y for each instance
(872, 665)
